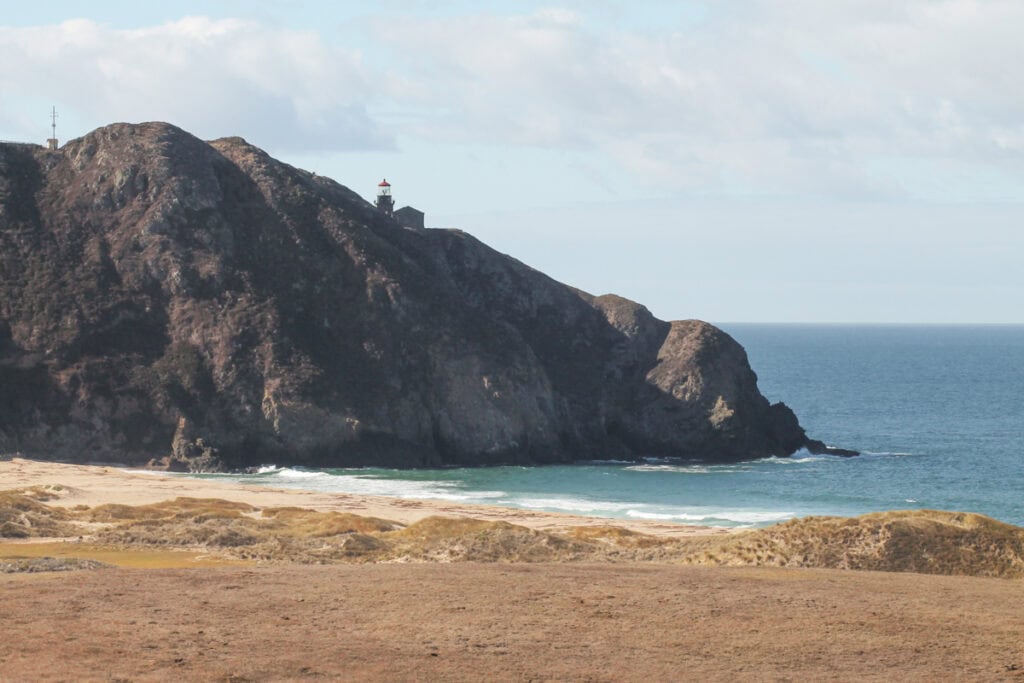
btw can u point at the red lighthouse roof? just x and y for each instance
(384, 183)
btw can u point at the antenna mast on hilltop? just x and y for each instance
(52, 142)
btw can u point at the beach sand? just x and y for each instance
(481, 621)
(98, 484)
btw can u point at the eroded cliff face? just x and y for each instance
(164, 296)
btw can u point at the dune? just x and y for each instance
(921, 541)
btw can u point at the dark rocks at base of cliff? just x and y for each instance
(203, 306)
(819, 448)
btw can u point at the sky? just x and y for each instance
(740, 161)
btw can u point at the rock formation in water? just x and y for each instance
(161, 296)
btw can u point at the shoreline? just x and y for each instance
(98, 484)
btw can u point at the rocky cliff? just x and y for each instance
(161, 296)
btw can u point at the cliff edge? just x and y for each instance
(161, 296)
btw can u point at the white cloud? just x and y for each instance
(286, 90)
(774, 97)
(748, 97)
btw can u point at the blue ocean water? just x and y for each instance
(938, 412)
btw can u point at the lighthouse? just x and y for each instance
(385, 202)
(407, 216)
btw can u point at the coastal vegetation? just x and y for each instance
(220, 531)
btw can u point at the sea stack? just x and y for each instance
(204, 304)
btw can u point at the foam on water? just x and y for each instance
(356, 482)
(155, 473)
(681, 469)
(794, 461)
(289, 473)
(657, 489)
(569, 504)
(884, 454)
(716, 517)
(802, 457)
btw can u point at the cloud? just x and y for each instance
(286, 90)
(847, 98)
(760, 96)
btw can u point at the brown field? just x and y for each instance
(105, 577)
(508, 622)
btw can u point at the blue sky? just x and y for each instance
(795, 161)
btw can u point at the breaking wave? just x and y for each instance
(722, 517)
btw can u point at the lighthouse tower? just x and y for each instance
(385, 202)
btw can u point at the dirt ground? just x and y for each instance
(497, 622)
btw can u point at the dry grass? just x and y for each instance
(448, 539)
(298, 535)
(911, 541)
(320, 524)
(616, 536)
(242, 531)
(179, 508)
(923, 541)
(33, 565)
(135, 557)
(24, 514)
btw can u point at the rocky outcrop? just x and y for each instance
(164, 297)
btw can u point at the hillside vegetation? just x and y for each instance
(923, 541)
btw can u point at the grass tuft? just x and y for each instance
(24, 514)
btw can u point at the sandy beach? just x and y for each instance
(99, 484)
(161, 615)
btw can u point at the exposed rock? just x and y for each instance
(163, 297)
(819, 448)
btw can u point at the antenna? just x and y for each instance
(52, 142)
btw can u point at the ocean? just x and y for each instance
(937, 412)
